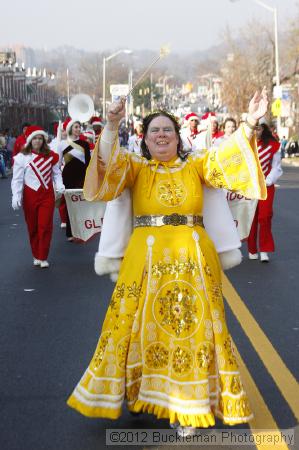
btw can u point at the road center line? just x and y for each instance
(263, 419)
(285, 381)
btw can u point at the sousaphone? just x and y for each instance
(81, 107)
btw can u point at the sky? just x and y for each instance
(99, 25)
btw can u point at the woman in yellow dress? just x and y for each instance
(164, 347)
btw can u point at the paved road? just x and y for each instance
(50, 322)
(271, 293)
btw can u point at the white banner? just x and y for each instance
(85, 217)
(243, 210)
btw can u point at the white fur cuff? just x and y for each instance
(230, 259)
(104, 265)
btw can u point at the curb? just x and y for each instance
(289, 162)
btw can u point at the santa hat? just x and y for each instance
(96, 121)
(191, 116)
(89, 134)
(210, 115)
(33, 131)
(68, 123)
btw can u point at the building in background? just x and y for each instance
(27, 94)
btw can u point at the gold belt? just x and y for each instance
(171, 219)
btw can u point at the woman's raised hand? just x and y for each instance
(116, 111)
(258, 105)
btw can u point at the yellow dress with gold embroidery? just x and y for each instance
(164, 347)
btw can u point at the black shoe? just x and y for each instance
(135, 413)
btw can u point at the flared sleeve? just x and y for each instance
(108, 175)
(234, 166)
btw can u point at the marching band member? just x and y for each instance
(76, 156)
(91, 137)
(57, 145)
(211, 116)
(190, 134)
(164, 345)
(20, 141)
(269, 156)
(229, 127)
(136, 138)
(97, 125)
(35, 169)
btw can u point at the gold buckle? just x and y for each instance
(175, 219)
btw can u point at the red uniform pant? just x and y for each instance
(39, 210)
(63, 210)
(260, 237)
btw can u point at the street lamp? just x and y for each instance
(273, 9)
(105, 59)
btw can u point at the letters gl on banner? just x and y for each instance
(85, 217)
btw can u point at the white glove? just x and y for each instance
(60, 191)
(268, 182)
(16, 203)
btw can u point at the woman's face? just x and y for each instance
(214, 126)
(139, 129)
(161, 139)
(193, 124)
(229, 128)
(76, 129)
(37, 142)
(258, 132)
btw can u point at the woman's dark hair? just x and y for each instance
(145, 125)
(229, 119)
(45, 149)
(266, 135)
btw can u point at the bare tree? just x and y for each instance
(90, 76)
(248, 67)
(290, 67)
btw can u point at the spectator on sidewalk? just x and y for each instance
(292, 147)
(283, 144)
(2, 156)
(10, 142)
